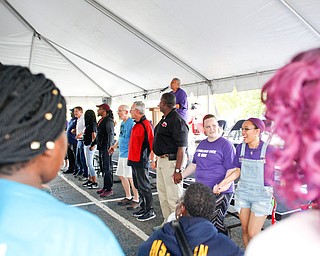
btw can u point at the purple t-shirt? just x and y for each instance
(182, 100)
(213, 159)
(268, 178)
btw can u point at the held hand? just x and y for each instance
(91, 148)
(154, 165)
(111, 150)
(215, 189)
(177, 177)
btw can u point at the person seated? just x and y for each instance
(194, 212)
(292, 102)
(33, 146)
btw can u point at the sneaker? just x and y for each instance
(83, 178)
(100, 191)
(93, 185)
(77, 174)
(149, 215)
(133, 205)
(106, 193)
(139, 213)
(86, 184)
(125, 201)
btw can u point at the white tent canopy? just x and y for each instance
(117, 48)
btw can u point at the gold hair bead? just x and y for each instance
(55, 92)
(48, 116)
(50, 145)
(7, 136)
(35, 145)
(59, 105)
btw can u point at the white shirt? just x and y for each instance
(80, 125)
(298, 235)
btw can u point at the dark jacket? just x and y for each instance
(201, 235)
(71, 136)
(105, 134)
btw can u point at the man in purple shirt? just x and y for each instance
(181, 98)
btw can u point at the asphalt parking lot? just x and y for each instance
(129, 232)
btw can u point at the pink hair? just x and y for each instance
(292, 99)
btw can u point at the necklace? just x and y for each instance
(254, 148)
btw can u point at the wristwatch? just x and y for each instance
(178, 170)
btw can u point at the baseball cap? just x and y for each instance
(104, 106)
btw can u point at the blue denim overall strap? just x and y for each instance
(252, 171)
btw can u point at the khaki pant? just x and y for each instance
(168, 192)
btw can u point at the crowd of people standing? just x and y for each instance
(33, 156)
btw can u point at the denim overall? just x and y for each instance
(251, 192)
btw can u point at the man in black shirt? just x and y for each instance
(104, 141)
(170, 143)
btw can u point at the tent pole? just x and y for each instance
(146, 39)
(31, 51)
(300, 17)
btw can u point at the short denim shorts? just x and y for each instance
(258, 199)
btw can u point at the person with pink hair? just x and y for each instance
(292, 102)
(254, 193)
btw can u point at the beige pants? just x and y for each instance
(168, 192)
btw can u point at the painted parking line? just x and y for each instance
(105, 208)
(103, 201)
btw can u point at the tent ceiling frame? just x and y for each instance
(73, 64)
(265, 72)
(146, 39)
(52, 44)
(96, 65)
(300, 17)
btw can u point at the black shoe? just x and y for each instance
(87, 184)
(148, 215)
(68, 171)
(93, 185)
(139, 213)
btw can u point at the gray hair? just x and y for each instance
(125, 107)
(140, 106)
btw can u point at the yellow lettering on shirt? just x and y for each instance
(158, 248)
(201, 250)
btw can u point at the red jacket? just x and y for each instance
(140, 144)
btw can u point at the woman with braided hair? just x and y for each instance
(292, 102)
(32, 148)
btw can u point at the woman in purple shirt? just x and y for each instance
(212, 159)
(254, 193)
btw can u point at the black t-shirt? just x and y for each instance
(87, 136)
(169, 134)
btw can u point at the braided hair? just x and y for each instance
(32, 114)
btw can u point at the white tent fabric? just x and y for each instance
(122, 48)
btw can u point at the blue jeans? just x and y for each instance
(81, 163)
(89, 158)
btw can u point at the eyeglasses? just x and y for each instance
(247, 129)
(133, 109)
(120, 110)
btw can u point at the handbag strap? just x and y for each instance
(182, 240)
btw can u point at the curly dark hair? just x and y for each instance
(199, 201)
